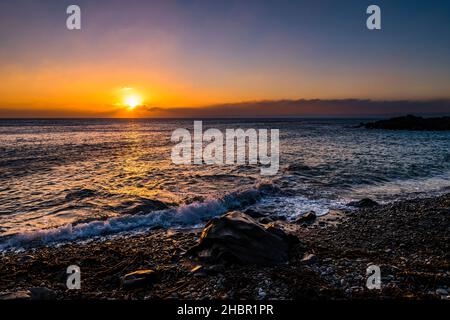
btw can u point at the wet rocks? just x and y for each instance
(416, 268)
(237, 238)
(442, 292)
(363, 203)
(37, 293)
(253, 213)
(290, 239)
(145, 206)
(268, 188)
(307, 217)
(18, 295)
(139, 278)
(309, 258)
(265, 220)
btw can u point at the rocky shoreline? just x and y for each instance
(408, 240)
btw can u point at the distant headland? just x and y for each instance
(410, 122)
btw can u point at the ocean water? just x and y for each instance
(66, 180)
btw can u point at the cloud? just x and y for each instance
(307, 108)
(256, 109)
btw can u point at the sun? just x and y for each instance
(132, 101)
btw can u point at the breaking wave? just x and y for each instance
(182, 216)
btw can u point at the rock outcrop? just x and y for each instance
(363, 203)
(411, 122)
(307, 217)
(237, 238)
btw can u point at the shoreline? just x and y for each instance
(409, 240)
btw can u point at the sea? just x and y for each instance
(65, 180)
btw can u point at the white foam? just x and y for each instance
(293, 207)
(182, 216)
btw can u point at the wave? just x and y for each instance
(404, 188)
(182, 216)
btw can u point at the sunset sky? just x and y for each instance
(163, 57)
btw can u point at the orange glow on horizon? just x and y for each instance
(132, 101)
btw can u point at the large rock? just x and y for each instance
(307, 217)
(363, 203)
(411, 122)
(253, 213)
(237, 238)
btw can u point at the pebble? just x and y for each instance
(261, 294)
(196, 269)
(138, 278)
(18, 295)
(442, 292)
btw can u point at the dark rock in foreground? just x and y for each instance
(411, 122)
(309, 259)
(17, 295)
(254, 214)
(307, 217)
(36, 293)
(363, 203)
(237, 238)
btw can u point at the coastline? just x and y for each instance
(408, 239)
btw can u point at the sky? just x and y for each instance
(178, 58)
